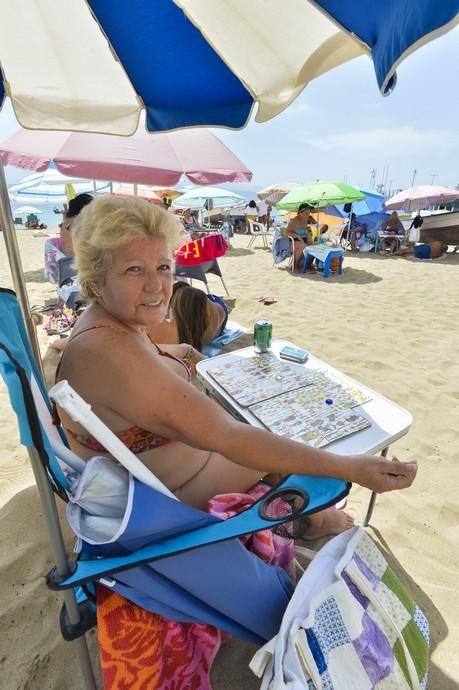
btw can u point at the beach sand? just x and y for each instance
(391, 323)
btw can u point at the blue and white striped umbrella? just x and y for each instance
(49, 187)
(94, 65)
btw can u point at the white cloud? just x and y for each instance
(390, 142)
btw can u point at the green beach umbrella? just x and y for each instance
(319, 195)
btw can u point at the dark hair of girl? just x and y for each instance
(189, 307)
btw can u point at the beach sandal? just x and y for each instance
(263, 299)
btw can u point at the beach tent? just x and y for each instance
(193, 62)
(373, 203)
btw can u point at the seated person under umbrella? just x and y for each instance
(391, 227)
(299, 228)
(354, 232)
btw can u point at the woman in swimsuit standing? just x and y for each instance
(123, 251)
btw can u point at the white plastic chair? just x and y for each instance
(258, 230)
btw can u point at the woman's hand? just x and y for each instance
(379, 474)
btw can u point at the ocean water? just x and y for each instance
(52, 220)
(47, 215)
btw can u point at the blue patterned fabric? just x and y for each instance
(350, 624)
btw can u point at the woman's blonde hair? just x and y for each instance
(110, 222)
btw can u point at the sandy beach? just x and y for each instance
(390, 323)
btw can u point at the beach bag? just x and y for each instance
(350, 625)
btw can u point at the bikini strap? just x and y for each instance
(190, 369)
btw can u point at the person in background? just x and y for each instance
(391, 227)
(194, 317)
(73, 209)
(251, 214)
(264, 213)
(414, 231)
(427, 250)
(323, 233)
(191, 224)
(62, 210)
(354, 232)
(299, 228)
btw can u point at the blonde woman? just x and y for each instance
(143, 391)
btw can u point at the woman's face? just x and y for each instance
(138, 285)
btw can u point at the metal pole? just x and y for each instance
(373, 497)
(60, 555)
(17, 272)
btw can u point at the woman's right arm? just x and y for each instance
(153, 397)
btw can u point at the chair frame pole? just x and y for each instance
(17, 271)
(60, 555)
(373, 497)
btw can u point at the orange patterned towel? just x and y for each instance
(140, 650)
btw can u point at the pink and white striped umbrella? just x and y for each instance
(415, 198)
(159, 159)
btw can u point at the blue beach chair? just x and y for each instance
(164, 555)
(282, 248)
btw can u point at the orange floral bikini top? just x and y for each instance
(136, 439)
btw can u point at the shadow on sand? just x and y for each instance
(438, 680)
(348, 276)
(237, 251)
(35, 276)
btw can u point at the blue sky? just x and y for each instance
(341, 127)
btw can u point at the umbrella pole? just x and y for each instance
(14, 260)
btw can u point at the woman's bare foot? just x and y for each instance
(326, 523)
